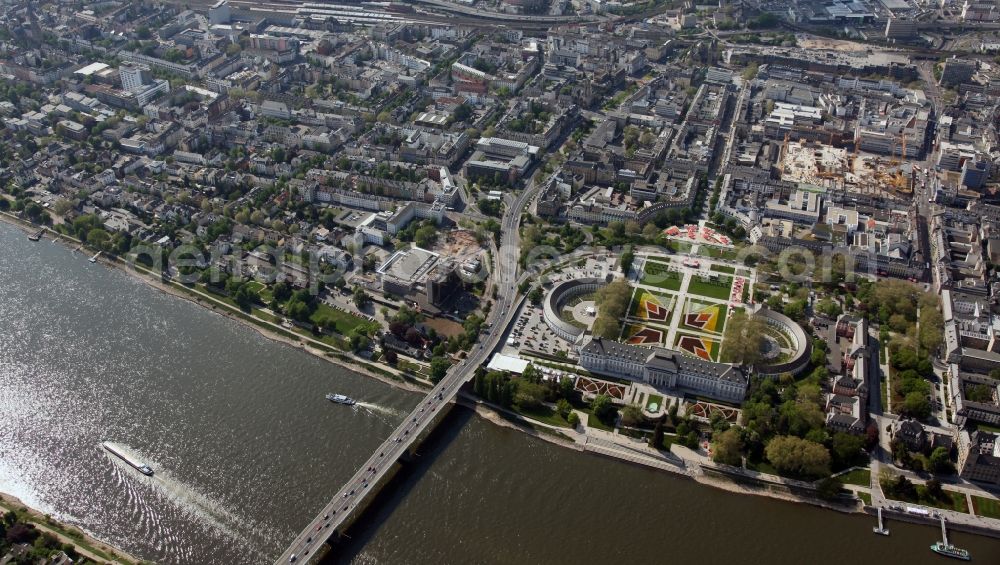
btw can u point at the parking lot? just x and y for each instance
(529, 331)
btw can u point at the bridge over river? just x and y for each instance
(351, 500)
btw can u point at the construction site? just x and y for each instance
(849, 171)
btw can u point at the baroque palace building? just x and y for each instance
(664, 369)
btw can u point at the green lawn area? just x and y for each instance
(681, 246)
(595, 422)
(255, 286)
(958, 502)
(988, 507)
(865, 497)
(344, 321)
(654, 399)
(544, 414)
(723, 269)
(415, 368)
(265, 294)
(334, 341)
(860, 477)
(952, 500)
(719, 289)
(657, 274)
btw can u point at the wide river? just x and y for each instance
(246, 449)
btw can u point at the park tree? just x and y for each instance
(439, 368)
(727, 447)
(563, 407)
(916, 405)
(612, 300)
(603, 409)
(626, 261)
(535, 296)
(931, 322)
(744, 336)
(940, 462)
(281, 291)
(797, 456)
(657, 440)
(795, 309)
(531, 374)
(358, 341)
(632, 416)
(828, 488)
(98, 238)
(360, 297)
(572, 419)
(425, 236)
(647, 138)
(804, 413)
(529, 395)
(390, 356)
(828, 308)
(630, 136)
(847, 449)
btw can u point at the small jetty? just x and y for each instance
(880, 529)
(94, 258)
(37, 235)
(944, 548)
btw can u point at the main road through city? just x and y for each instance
(331, 518)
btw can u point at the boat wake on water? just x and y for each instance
(378, 408)
(186, 498)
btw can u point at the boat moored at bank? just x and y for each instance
(949, 550)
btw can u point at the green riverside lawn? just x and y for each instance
(988, 507)
(544, 414)
(595, 422)
(954, 500)
(860, 477)
(344, 321)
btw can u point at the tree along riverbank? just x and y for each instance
(266, 328)
(33, 527)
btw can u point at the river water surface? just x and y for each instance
(246, 449)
